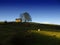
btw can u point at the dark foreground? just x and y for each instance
(16, 34)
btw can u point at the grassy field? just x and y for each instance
(48, 33)
(29, 38)
(24, 34)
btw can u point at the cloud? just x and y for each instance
(45, 22)
(50, 23)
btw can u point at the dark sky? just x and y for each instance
(45, 11)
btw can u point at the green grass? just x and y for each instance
(48, 33)
(23, 34)
(27, 38)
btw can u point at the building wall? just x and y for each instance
(18, 21)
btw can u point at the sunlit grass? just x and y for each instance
(48, 33)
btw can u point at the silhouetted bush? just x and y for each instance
(5, 21)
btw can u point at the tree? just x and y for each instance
(5, 21)
(26, 17)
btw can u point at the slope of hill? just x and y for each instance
(30, 26)
(12, 33)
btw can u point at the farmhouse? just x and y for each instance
(18, 20)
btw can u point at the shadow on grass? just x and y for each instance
(24, 38)
(33, 39)
(28, 38)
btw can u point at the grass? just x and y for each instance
(28, 38)
(19, 34)
(46, 37)
(48, 33)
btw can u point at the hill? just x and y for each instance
(12, 33)
(34, 26)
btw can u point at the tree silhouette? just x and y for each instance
(26, 17)
(5, 21)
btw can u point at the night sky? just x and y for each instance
(42, 11)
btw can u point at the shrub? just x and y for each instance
(5, 21)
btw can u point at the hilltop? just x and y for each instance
(30, 26)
